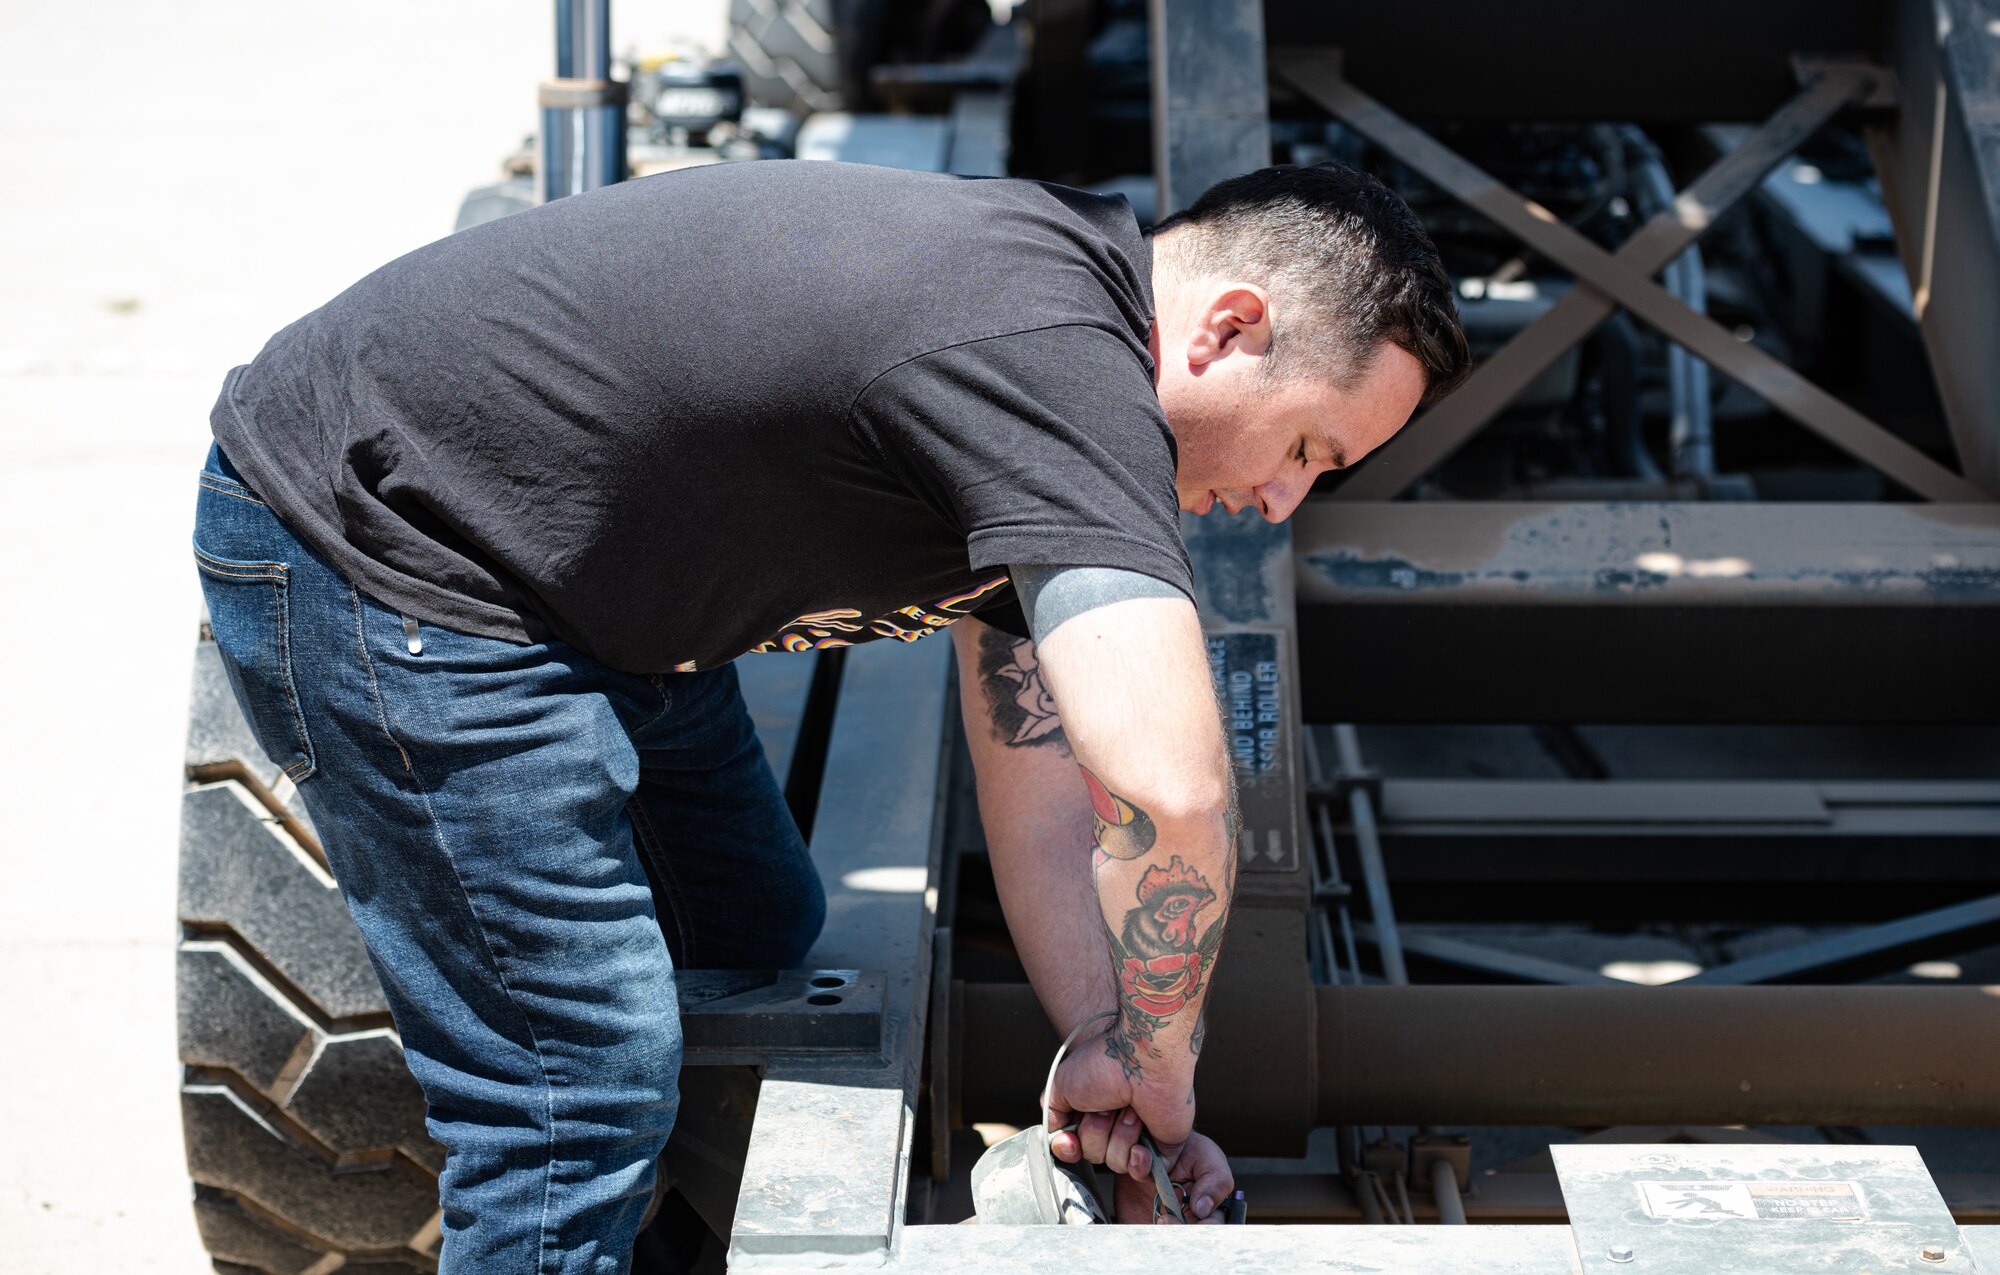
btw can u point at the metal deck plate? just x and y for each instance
(1757, 1210)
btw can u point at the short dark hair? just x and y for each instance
(1343, 249)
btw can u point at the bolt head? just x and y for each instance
(1931, 1252)
(1620, 1253)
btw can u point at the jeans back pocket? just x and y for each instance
(249, 612)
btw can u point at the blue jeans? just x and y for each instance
(530, 843)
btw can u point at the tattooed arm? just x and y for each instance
(1132, 681)
(1037, 820)
(1108, 827)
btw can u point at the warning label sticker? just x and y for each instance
(1248, 668)
(1755, 1201)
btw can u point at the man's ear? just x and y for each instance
(1237, 319)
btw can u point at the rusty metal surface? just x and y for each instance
(1661, 1055)
(1589, 1056)
(1722, 612)
(1649, 554)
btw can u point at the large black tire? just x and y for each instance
(804, 55)
(305, 1131)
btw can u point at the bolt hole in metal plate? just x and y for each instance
(828, 980)
(1756, 1210)
(821, 998)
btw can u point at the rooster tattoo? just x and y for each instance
(1160, 960)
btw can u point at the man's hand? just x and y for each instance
(1200, 1173)
(1114, 1108)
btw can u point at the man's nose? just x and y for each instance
(1279, 497)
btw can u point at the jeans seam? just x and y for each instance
(219, 567)
(305, 762)
(241, 575)
(666, 701)
(278, 576)
(655, 849)
(485, 947)
(211, 482)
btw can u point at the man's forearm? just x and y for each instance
(1140, 715)
(1113, 858)
(1163, 896)
(1037, 821)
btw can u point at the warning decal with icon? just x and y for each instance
(1755, 1201)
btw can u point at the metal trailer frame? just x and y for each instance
(818, 1190)
(824, 1175)
(827, 1174)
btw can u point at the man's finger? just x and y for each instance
(1063, 1146)
(1203, 1173)
(1210, 1190)
(1059, 1115)
(1118, 1147)
(1140, 1163)
(1095, 1134)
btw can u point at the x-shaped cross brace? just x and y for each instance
(1609, 280)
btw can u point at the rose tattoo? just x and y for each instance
(1022, 710)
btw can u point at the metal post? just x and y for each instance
(1210, 118)
(1368, 844)
(1939, 162)
(1444, 1188)
(583, 108)
(1209, 123)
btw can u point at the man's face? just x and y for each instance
(1247, 443)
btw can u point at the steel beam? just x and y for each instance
(1691, 62)
(1478, 958)
(1492, 611)
(1514, 1196)
(1621, 281)
(1939, 163)
(1268, 1250)
(749, 1016)
(1209, 124)
(827, 1171)
(1624, 851)
(1441, 430)
(1589, 1056)
(1874, 949)
(1210, 118)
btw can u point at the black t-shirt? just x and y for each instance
(746, 407)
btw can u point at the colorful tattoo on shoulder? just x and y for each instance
(1120, 829)
(1158, 957)
(1022, 710)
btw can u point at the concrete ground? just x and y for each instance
(181, 178)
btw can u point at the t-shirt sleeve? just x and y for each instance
(1005, 615)
(1046, 447)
